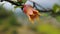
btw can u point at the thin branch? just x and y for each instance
(41, 6)
(15, 3)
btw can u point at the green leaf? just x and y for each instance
(56, 8)
(24, 1)
(17, 7)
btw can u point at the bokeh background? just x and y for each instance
(14, 21)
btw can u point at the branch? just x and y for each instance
(41, 6)
(20, 4)
(15, 3)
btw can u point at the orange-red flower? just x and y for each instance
(31, 13)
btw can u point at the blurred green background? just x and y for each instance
(10, 23)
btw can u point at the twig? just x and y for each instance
(41, 6)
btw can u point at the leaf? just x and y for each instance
(24, 1)
(17, 7)
(56, 8)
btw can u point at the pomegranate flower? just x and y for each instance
(31, 13)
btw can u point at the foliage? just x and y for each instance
(24, 1)
(56, 8)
